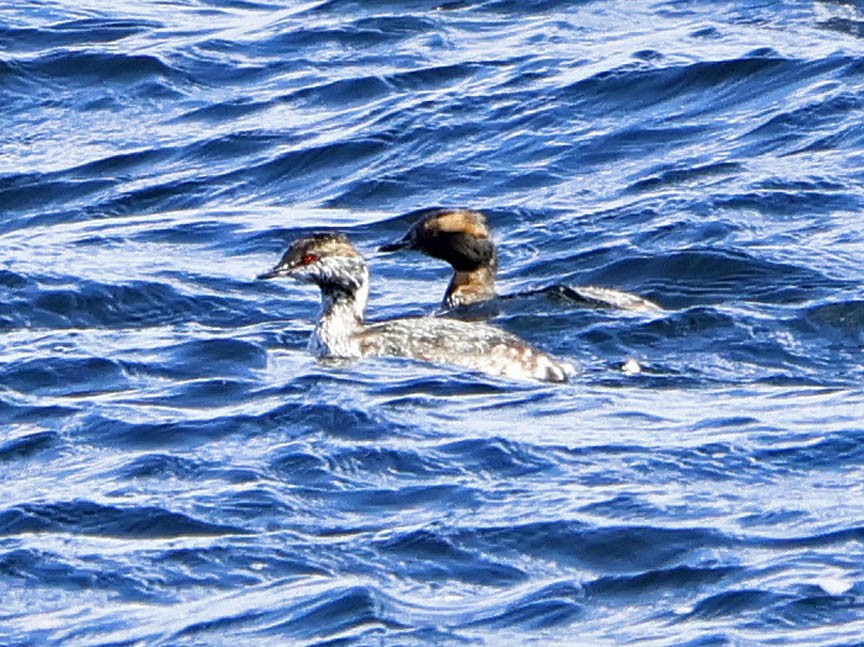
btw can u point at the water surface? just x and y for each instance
(176, 469)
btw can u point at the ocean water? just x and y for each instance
(176, 469)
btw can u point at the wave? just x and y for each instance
(89, 518)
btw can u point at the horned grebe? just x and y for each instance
(337, 268)
(461, 238)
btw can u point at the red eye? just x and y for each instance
(308, 258)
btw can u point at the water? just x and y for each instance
(176, 469)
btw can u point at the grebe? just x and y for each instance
(331, 262)
(461, 238)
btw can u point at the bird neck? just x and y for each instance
(470, 286)
(342, 308)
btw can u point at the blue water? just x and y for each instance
(176, 469)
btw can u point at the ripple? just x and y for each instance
(28, 445)
(93, 304)
(711, 276)
(71, 32)
(556, 604)
(736, 603)
(844, 448)
(65, 376)
(88, 518)
(496, 457)
(429, 556)
(611, 549)
(34, 567)
(83, 67)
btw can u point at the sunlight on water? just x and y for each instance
(178, 469)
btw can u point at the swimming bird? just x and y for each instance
(331, 262)
(461, 237)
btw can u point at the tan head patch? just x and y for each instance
(328, 245)
(465, 221)
(342, 248)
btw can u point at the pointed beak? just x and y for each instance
(279, 270)
(272, 274)
(395, 246)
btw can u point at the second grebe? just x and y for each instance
(332, 263)
(461, 237)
